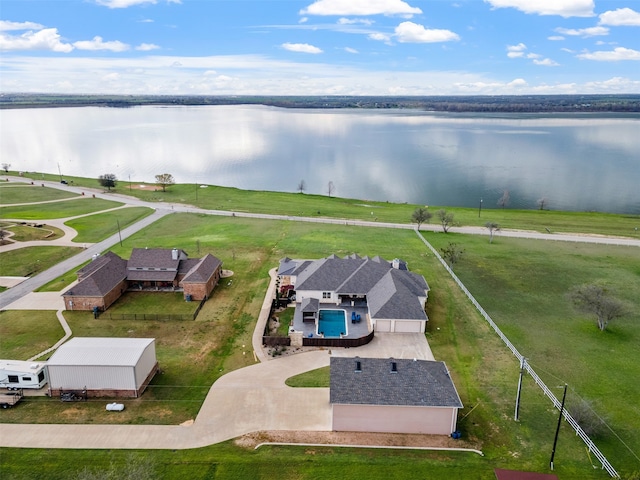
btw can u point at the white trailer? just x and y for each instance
(17, 374)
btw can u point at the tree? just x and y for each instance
(492, 227)
(6, 167)
(302, 186)
(421, 215)
(330, 188)
(452, 253)
(542, 202)
(504, 200)
(164, 180)
(107, 180)
(596, 299)
(446, 220)
(583, 413)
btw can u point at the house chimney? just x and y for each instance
(395, 263)
(174, 254)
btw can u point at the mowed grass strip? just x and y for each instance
(14, 193)
(28, 233)
(64, 209)
(25, 333)
(29, 261)
(94, 228)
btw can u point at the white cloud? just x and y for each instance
(129, 3)
(409, 32)
(45, 39)
(352, 21)
(621, 17)
(516, 51)
(360, 7)
(584, 32)
(303, 20)
(381, 37)
(563, 8)
(98, 44)
(145, 47)
(6, 26)
(518, 82)
(301, 47)
(555, 38)
(546, 62)
(350, 50)
(615, 55)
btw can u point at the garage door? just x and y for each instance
(383, 325)
(404, 326)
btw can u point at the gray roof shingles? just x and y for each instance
(203, 269)
(110, 272)
(423, 383)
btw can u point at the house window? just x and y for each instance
(13, 379)
(26, 379)
(41, 376)
(326, 294)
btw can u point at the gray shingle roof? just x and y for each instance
(309, 305)
(416, 383)
(392, 293)
(154, 258)
(203, 269)
(110, 271)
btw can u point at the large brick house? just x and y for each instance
(108, 276)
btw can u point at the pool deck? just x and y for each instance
(354, 330)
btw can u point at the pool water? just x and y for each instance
(332, 323)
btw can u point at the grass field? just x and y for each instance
(64, 209)
(94, 228)
(11, 192)
(27, 233)
(25, 333)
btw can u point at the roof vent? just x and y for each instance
(394, 367)
(358, 366)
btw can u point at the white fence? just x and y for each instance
(585, 438)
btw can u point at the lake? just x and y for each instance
(578, 162)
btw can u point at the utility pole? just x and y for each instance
(119, 234)
(523, 361)
(59, 172)
(555, 440)
(480, 208)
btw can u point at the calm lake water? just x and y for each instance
(576, 162)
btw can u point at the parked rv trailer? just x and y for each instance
(17, 374)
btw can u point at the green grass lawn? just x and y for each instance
(94, 228)
(512, 279)
(25, 333)
(11, 193)
(312, 379)
(522, 284)
(27, 233)
(70, 208)
(29, 261)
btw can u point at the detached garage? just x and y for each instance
(103, 367)
(392, 396)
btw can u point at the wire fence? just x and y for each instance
(592, 448)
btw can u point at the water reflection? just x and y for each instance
(577, 163)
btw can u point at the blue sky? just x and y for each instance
(321, 47)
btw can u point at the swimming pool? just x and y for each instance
(332, 323)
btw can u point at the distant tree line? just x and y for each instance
(459, 104)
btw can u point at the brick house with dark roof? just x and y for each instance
(392, 396)
(107, 277)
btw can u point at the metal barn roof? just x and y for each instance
(99, 351)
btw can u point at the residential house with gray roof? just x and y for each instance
(393, 298)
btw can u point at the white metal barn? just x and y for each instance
(103, 367)
(16, 374)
